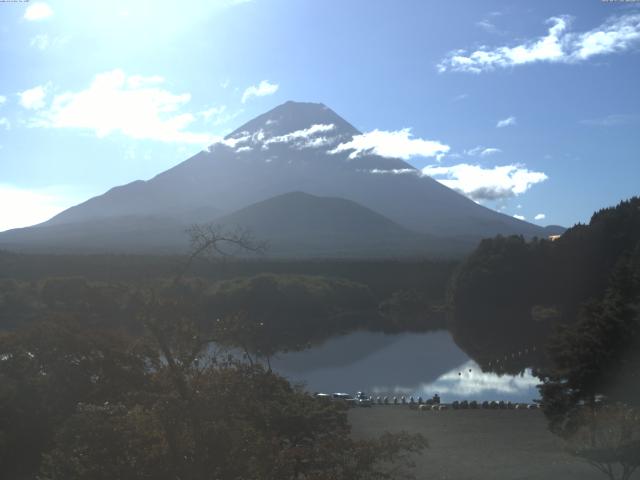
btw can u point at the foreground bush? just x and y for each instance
(88, 405)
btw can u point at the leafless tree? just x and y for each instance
(609, 440)
(210, 240)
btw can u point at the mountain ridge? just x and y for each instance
(287, 149)
(300, 224)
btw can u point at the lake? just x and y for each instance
(403, 364)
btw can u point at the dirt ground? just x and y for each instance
(478, 444)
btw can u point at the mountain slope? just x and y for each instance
(299, 224)
(287, 149)
(122, 234)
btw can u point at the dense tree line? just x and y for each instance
(383, 277)
(161, 398)
(278, 311)
(139, 378)
(578, 299)
(270, 313)
(591, 388)
(598, 357)
(511, 294)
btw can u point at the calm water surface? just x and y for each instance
(404, 364)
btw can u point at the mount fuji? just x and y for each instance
(281, 176)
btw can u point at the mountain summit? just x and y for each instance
(295, 116)
(291, 148)
(312, 130)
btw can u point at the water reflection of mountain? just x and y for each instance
(365, 360)
(403, 364)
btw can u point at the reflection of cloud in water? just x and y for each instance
(468, 381)
(361, 360)
(403, 364)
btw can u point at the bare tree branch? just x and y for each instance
(211, 240)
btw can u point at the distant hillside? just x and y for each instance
(293, 225)
(554, 230)
(122, 234)
(510, 294)
(299, 224)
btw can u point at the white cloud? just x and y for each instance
(507, 122)
(4, 122)
(540, 216)
(487, 26)
(482, 151)
(242, 137)
(139, 81)
(219, 115)
(29, 206)
(33, 98)
(489, 151)
(306, 138)
(474, 151)
(616, 35)
(396, 171)
(394, 144)
(38, 11)
(213, 111)
(134, 106)
(260, 90)
(520, 217)
(40, 42)
(3, 99)
(613, 120)
(319, 142)
(558, 46)
(43, 41)
(469, 380)
(480, 183)
(302, 138)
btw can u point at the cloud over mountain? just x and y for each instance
(262, 89)
(479, 183)
(291, 148)
(306, 137)
(393, 144)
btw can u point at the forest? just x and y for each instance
(134, 367)
(115, 373)
(577, 299)
(511, 293)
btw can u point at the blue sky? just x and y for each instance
(531, 108)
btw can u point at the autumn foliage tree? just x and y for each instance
(79, 403)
